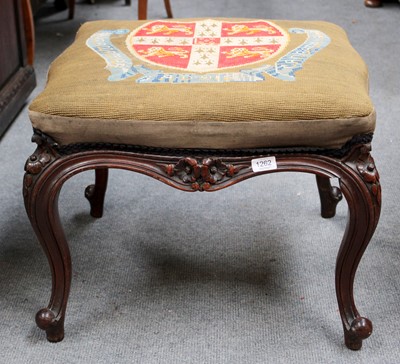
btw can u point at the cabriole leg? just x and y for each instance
(41, 190)
(329, 195)
(363, 194)
(95, 193)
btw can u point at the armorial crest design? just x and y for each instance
(201, 174)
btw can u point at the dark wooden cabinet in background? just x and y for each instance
(17, 77)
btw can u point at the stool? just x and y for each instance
(202, 104)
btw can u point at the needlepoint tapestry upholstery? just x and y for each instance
(212, 83)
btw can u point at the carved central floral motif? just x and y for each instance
(201, 174)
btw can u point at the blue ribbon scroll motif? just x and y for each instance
(121, 67)
(117, 62)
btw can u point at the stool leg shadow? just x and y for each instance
(95, 193)
(329, 195)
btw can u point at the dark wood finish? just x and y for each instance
(329, 195)
(17, 77)
(95, 193)
(71, 9)
(142, 9)
(29, 31)
(373, 3)
(168, 8)
(47, 170)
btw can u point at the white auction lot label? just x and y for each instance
(263, 164)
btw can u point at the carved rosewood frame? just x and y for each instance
(201, 170)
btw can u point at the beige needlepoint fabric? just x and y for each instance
(207, 83)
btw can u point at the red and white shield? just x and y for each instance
(206, 45)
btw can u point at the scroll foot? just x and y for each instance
(46, 320)
(360, 329)
(329, 195)
(95, 193)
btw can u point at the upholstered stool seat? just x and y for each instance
(247, 99)
(201, 104)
